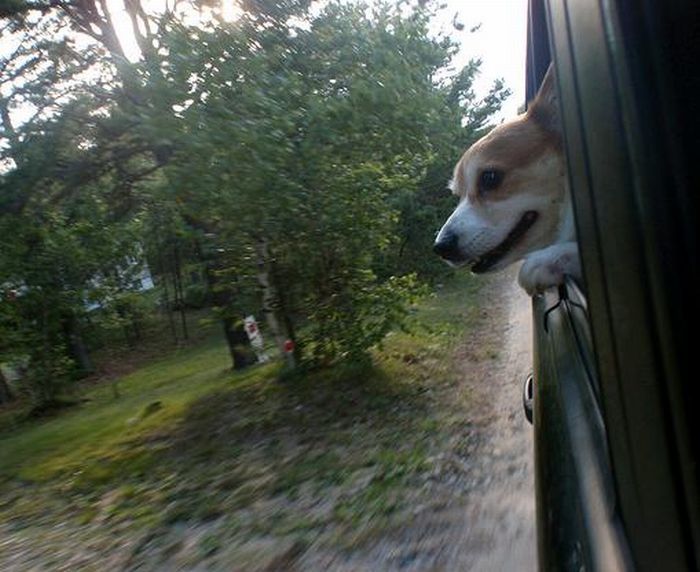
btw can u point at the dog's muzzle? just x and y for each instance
(485, 262)
(447, 247)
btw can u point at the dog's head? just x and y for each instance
(511, 188)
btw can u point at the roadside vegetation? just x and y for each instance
(196, 464)
(166, 175)
(289, 162)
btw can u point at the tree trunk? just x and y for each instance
(5, 393)
(166, 305)
(238, 344)
(286, 315)
(179, 291)
(236, 337)
(77, 349)
(270, 301)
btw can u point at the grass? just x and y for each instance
(96, 429)
(330, 457)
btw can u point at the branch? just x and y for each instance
(135, 11)
(12, 8)
(9, 129)
(9, 59)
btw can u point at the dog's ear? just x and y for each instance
(457, 184)
(544, 109)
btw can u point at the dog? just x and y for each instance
(514, 200)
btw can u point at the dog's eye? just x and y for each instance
(489, 179)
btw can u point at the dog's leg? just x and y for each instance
(548, 267)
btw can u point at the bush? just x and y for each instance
(347, 324)
(46, 376)
(196, 296)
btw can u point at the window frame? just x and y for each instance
(623, 119)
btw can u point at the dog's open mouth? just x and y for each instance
(491, 258)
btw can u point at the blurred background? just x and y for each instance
(225, 342)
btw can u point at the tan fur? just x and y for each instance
(503, 149)
(527, 152)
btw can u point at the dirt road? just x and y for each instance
(494, 529)
(499, 526)
(434, 476)
(481, 512)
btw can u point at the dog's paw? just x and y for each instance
(536, 276)
(548, 267)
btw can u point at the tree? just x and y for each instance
(303, 147)
(62, 247)
(298, 156)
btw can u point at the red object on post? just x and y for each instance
(288, 346)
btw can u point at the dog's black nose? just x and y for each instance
(447, 246)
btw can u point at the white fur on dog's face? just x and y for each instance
(525, 211)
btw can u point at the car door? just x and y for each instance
(616, 435)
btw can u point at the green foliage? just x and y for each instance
(330, 144)
(191, 444)
(49, 370)
(327, 137)
(356, 314)
(196, 296)
(64, 251)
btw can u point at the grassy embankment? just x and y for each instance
(332, 457)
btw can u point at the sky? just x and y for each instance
(500, 42)
(493, 30)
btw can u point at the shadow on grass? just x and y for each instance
(302, 452)
(319, 410)
(194, 459)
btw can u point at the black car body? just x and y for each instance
(616, 433)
